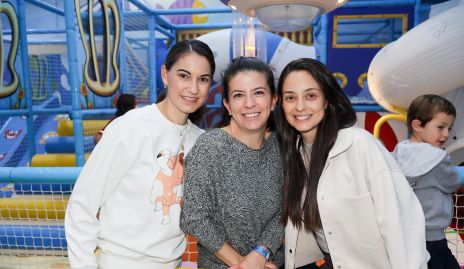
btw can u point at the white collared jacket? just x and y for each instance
(370, 215)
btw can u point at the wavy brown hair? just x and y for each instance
(243, 64)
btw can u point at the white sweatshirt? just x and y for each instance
(134, 177)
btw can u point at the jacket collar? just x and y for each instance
(343, 142)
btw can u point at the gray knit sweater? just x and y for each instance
(232, 194)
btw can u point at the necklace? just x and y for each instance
(182, 130)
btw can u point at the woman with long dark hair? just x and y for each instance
(344, 195)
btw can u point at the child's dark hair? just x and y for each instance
(425, 107)
(242, 64)
(124, 103)
(175, 53)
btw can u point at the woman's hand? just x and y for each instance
(270, 265)
(253, 260)
(228, 255)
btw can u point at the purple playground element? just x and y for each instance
(181, 19)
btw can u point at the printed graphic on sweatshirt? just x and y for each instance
(166, 190)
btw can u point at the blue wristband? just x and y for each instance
(262, 251)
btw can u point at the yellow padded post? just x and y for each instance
(91, 127)
(58, 160)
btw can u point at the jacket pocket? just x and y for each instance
(357, 221)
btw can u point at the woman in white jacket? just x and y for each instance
(345, 198)
(134, 175)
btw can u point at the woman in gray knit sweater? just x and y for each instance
(233, 177)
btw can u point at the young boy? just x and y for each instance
(430, 171)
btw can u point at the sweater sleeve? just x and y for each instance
(273, 234)
(398, 212)
(199, 198)
(447, 179)
(102, 173)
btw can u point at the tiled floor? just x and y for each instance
(37, 262)
(33, 262)
(50, 262)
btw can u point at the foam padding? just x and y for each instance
(91, 127)
(37, 237)
(41, 188)
(36, 208)
(58, 160)
(65, 144)
(5, 190)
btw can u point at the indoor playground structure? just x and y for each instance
(64, 63)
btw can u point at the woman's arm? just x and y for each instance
(228, 255)
(103, 171)
(199, 202)
(397, 210)
(273, 234)
(252, 260)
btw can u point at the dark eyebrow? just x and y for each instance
(312, 89)
(183, 70)
(254, 89)
(306, 90)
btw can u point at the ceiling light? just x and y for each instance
(285, 15)
(287, 18)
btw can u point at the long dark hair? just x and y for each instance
(242, 64)
(175, 53)
(338, 114)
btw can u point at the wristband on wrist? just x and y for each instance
(261, 250)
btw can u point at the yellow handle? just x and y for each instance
(385, 118)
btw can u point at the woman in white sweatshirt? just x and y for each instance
(134, 175)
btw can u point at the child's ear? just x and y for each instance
(416, 125)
